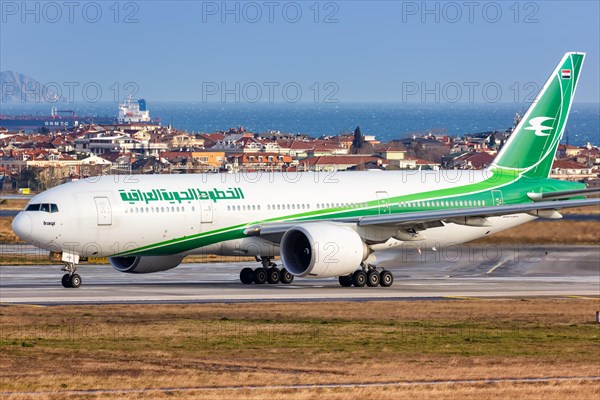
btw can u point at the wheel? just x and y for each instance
(359, 278)
(285, 277)
(260, 276)
(386, 278)
(373, 278)
(247, 276)
(345, 280)
(273, 275)
(75, 281)
(66, 280)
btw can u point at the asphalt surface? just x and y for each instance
(455, 272)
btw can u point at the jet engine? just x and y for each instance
(145, 264)
(322, 250)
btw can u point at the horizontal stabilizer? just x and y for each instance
(562, 195)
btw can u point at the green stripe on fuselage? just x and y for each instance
(514, 191)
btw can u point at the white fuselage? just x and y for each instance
(110, 215)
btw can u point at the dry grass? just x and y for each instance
(140, 346)
(6, 233)
(576, 390)
(13, 204)
(548, 232)
(589, 210)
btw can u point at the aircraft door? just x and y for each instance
(383, 202)
(103, 211)
(206, 211)
(497, 199)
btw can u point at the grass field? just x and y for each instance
(268, 344)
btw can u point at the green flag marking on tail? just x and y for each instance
(531, 147)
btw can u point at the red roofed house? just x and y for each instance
(570, 170)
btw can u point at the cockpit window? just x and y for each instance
(46, 207)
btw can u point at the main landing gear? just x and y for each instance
(71, 279)
(268, 273)
(368, 276)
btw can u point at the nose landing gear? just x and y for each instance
(71, 279)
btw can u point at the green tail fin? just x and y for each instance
(531, 147)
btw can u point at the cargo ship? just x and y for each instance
(130, 111)
(58, 119)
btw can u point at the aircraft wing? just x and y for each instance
(475, 216)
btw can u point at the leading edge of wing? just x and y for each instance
(417, 217)
(490, 211)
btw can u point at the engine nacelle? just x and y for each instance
(145, 264)
(322, 250)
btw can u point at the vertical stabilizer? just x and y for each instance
(531, 147)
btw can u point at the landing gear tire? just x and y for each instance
(66, 281)
(75, 281)
(386, 278)
(247, 276)
(359, 278)
(345, 280)
(285, 277)
(273, 275)
(373, 278)
(260, 276)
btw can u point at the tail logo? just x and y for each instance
(536, 124)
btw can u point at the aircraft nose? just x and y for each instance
(22, 226)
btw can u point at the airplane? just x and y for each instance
(321, 224)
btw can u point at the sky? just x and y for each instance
(282, 51)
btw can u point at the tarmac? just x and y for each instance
(467, 271)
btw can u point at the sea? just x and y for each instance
(386, 121)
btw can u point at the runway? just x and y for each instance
(468, 271)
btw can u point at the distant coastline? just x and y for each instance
(388, 121)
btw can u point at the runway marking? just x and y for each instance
(583, 297)
(501, 263)
(4, 304)
(461, 298)
(309, 386)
